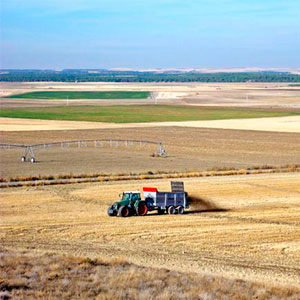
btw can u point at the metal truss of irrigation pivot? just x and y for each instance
(29, 149)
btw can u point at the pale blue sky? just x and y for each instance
(61, 34)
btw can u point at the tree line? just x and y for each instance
(134, 76)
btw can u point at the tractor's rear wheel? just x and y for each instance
(123, 211)
(141, 209)
(171, 210)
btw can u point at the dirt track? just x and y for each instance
(246, 226)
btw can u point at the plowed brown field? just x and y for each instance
(244, 227)
(187, 149)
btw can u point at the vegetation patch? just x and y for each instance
(137, 113)
(83, 95)
(48, 276)
(83, 178)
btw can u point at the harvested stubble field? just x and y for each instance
(188, 149)
(242, 227)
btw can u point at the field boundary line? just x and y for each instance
(72, 179)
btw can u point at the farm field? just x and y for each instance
(187, 149)
(138, 113)
(271, 96)
(242, 227)
(241, 236)
(273, 124)
(83, 95)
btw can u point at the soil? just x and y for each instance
(187, 149)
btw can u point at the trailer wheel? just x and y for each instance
(171, 210)
(123, 212)
(23, 158)
(161, 211)
(141, 209)
(180, 210)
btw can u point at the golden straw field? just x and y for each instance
(245, 227)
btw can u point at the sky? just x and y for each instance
(59, 34)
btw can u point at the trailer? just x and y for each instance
(131, 203)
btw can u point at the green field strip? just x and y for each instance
(83, 95)
(137, 113)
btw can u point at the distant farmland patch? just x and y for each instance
(136, 113)
(83, 95)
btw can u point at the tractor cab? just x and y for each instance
(129, 198)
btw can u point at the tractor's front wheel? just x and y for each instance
(141, 209)
(123, 211)
(111, 212)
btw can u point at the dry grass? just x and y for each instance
(84, 178)
(48, 276)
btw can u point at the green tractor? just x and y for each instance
(130, 204)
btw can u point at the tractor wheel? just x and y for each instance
(23, 158)
(141, 209)
(111, 212)
(161, 211)
(171, 210)
(180, 210)
(123, 211)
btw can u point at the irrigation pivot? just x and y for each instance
(29, 149)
